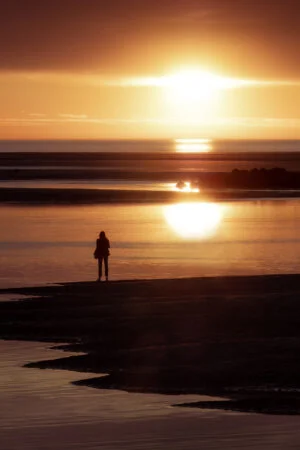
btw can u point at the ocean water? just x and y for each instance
(202, 144)
(148, 156)
(48, 244)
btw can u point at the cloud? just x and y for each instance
(76, 35)
(78, 119)
(260, 122)
(159, 80)
(74, 116)
(233, 122)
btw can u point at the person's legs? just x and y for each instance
(99, 268)
(106, 266)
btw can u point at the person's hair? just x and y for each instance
(102, 235)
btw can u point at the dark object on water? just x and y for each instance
(180, 184)
(187, 186)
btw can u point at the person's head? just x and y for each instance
(102, 235)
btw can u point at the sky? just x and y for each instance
(74, 69)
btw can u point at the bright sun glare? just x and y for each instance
(193, 145)
(191, 94)
(192, 86)
(194, 219)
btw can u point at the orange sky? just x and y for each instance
(73, 69)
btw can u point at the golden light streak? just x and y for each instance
(190, 79)
(194, 219)
(193, 145)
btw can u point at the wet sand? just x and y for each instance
(236, 338)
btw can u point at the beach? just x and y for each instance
(191, 344)
(230, 337)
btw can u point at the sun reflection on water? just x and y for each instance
(193, 145)
(194, 219)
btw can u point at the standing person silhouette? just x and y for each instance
(102, 253)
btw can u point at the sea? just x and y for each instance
(41, 243)
(195, 145)
(52, 243)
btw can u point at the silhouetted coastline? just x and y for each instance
(257, 178)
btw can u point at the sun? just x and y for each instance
(192, 86)
(190, 97)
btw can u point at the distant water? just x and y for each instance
(183, 145)
(152, 156)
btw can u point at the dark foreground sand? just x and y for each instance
(232, 337)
